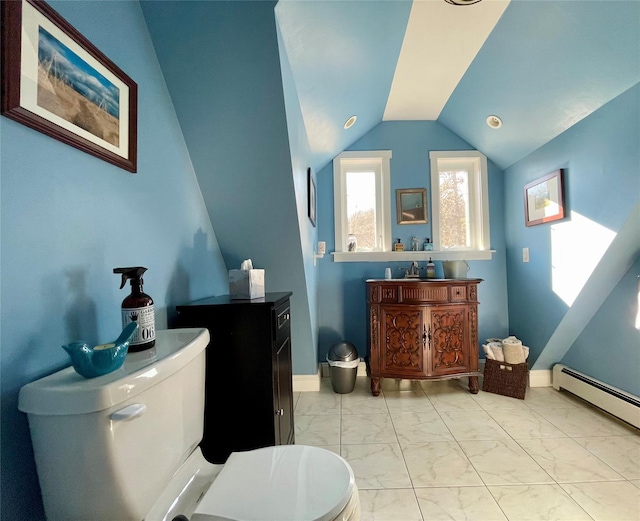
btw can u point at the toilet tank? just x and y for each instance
(106, 447)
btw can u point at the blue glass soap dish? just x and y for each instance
(101, 359)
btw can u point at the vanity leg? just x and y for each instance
(375, 386)
(473, 384)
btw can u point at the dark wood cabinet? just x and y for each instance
(423, 330)
(249, 394)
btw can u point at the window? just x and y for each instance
(459, 200)
(362, 201)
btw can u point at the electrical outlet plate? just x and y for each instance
(525, 254)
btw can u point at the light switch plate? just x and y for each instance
(525, 254)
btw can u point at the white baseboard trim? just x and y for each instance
(311, 382)
(306, 382)
(540, 378)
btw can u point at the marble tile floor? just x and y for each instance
(427, 451)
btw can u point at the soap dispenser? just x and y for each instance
(431, 270)
(428, 245)
(138, 307)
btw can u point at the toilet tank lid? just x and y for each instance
(66, 392)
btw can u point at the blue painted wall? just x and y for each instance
(302, 159)
(69, 218)
(600, 156)
(335, 78)
(610, 342)
(226, 84)
(342, 295)
(545, 66)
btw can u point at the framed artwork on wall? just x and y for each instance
(411, 205)
(311, 197)
(57, 82)
(544, 199)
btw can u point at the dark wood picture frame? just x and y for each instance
(106, 124)
(544, 199)
(311, 197)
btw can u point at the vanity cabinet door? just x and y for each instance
(403, 341)
(447, 338)
(282, 376)
(283, 399)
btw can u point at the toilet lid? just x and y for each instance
(283, 483)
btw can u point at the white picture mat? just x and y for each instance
(32, 19)
(551, 187)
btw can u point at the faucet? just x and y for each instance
(413, 272)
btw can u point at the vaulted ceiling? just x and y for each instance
(541, 66)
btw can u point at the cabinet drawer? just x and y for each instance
(458, 293)
(408, 293)
(417, 294)
(282, 317)
(383, 293)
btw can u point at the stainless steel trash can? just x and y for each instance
(343, 366)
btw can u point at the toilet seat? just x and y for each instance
(280, 484)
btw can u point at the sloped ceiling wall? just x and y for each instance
(543, 67)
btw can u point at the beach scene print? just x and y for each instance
(73, 90)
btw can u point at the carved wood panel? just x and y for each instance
(403, 340)
(374, 326)
(424, 294)
(389, 294)
(448, 328)
(374, 295)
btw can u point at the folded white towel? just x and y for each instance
(493, 350)
(498, 353)
(512, 341)
(513, 353)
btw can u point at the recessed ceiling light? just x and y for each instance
(349, 123)
(494, 122)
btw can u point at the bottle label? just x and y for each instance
(145, 318)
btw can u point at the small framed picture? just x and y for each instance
(311, 197)
(57, 82)
(411, 205)
(544, 199)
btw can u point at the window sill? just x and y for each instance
(386, 256)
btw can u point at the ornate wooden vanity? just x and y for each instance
(423, 329)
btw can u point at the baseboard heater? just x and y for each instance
(615, 401)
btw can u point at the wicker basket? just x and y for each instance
(506, 379)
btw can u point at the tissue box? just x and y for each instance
(246, 284)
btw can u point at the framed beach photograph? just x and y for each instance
(55, 81)
(544, 199)
(311, 197)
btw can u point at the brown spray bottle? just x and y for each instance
(138, 307)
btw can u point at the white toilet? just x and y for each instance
(124, 447)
